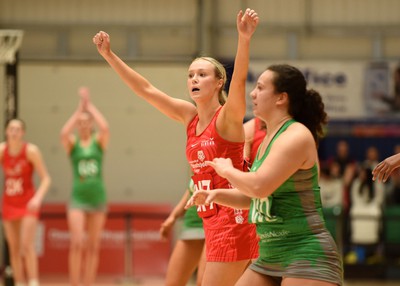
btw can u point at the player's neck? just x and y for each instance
(14, 147)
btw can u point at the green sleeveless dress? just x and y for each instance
(294, 241)
(88, 190)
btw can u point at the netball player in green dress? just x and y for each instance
(282, 189)
(87, 205)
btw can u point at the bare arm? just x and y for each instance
(383, 170)
(230, 122)
(249, 127)
(104, 131)
(177, 212)
(35, 157)
(226, 197)
(284, 159)
(176, 109)
(2, 147)
(66, 135)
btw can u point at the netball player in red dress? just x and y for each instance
(255, 131)
(213, 131)
(20, 202)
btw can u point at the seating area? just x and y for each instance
(366, 255)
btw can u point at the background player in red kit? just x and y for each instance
(213, 131)
(21, 203)
(255, 130)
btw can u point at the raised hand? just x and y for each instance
(85, 96)
(247, 22)
(102, 42)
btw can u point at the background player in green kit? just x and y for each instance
(188, 253)
(282, 189)
(87, 206)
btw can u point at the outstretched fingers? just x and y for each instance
(247, 21)
(190, 203)
(382, 171)
(200, 197)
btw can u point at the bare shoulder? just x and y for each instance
(300, 130)
(32, 149)
(2, 148)
(298, 133)
(189, 115)
(305, 146)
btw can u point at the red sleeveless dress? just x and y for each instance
(258, 137)
(18, 186)
(229, 237)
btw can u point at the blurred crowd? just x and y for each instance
(361, 214)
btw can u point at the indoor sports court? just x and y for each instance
(347, 50)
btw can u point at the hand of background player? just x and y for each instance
(34, 204)
(166, 227)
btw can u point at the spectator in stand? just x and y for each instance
(371, 157)
(347, 169)
(367, 199)
(331, 186)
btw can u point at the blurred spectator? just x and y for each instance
(367, 198)
(347, 169)
(331, 185)
(371, 157)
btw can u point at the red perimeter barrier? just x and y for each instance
(130, 243)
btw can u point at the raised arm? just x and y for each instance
(177, 109)
(66, 135)
(234, 110)
(103, 134)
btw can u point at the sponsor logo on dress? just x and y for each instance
(200, 155)
(239, 219)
